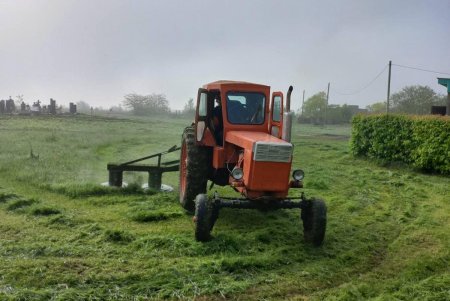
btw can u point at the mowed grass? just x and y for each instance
(64, 237)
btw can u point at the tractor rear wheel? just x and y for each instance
(204, 218)
(314, 218)
(193, 169)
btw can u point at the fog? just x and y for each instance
(98, 51)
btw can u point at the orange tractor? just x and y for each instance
(241, 138)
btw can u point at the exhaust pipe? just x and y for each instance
(287, 117)
(288, 99)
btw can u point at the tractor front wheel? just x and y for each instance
(205, 216)
(314, 217)
(193, 169)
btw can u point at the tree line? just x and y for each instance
(154, 104)
(410, 100)
(140, 105)
(416, 100)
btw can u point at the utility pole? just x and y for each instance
(303, 101)
(389, 88)
(326, 106)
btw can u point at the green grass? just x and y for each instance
(65, 237)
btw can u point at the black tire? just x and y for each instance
(194, 169)
(314, 218)
(203, 218)
(214, 216)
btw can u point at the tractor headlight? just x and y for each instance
(298, 174)
(237, 173)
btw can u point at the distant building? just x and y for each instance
(355, 109)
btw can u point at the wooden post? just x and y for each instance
(389, 88)
(115, 178)
(154, 179)
(326, 106)
(448, 104)
(303, 101)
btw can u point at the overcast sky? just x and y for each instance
(98, 51)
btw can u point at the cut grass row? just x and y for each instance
(387, 232)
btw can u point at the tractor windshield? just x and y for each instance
(245, 107)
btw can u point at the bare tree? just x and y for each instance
(189, 108)
(83, 107)
(146, 104)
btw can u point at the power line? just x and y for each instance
(366, 86)
(420, 69)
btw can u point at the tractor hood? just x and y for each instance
(264, 147)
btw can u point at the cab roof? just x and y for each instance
(220, 83)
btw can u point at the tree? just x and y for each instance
(19, 98)
(116, 109)
(147, 104)
(314, 108)
(83, 107)
(415, 100)
(189, 108)
(314, 111)
(334, 114)
(378, 107)
(340, 114)
(441, 100)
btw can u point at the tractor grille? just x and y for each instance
(272, 152)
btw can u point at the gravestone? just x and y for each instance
(10, 106)
(72, 108)
(52, 106)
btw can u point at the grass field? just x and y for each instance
(64, 237)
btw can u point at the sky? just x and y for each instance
(97, 51)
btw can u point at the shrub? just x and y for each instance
(421, 141)
(433, 151)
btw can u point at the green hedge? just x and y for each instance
(422, 141)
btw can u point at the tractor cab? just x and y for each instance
(238, 121)
(224, 106)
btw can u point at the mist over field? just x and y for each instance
(99, 51)
(121, 180)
